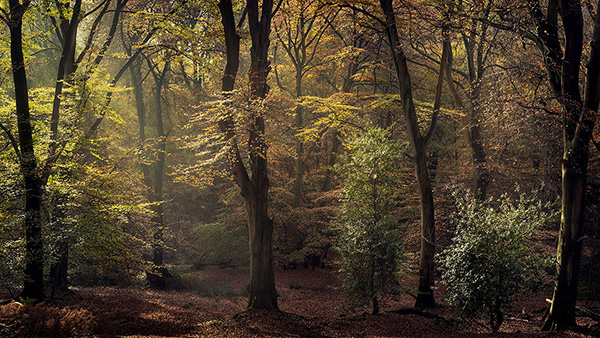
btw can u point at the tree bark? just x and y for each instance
(299, 162)
(159, 165)
(255, 189)
(263, 294)
(418, 143)
(232, 46)
(476, 67)
(425, 297)
(153, 174)
(33, 286)
(578, 125)
(66, 69)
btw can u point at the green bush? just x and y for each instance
(492, 256)
(184, 279)
(369, 238)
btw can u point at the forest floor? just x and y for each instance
(311, 305)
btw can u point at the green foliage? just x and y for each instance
(90, 209)
(185, 279)
(223, 239)
(333, 113)
(492, 256)
(369, 238)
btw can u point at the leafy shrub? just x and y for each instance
(491, 256)
(11, 265)
(369, 238)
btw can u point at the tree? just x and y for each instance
(67, 28)
(369, 237)
(300, 34)
(33, 286)
(579, 116)
(477, 45)
(254, 189)
(159, 164)
(419, 147)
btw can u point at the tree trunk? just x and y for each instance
(33, 286)
(299, 163)
(482, 176)
(254, 190)
(476, 69)
(232, 45)
(419, 146)
(578, 125)
(425, 297)
(335, 145)
(66, 69)
(59, 268)
(263, 294)
(562, 310)
(158, 218)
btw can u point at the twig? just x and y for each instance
(589, 313)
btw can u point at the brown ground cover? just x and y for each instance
(310, 301)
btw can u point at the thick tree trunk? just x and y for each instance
(255, 189)
(34, 249)
(263, 294)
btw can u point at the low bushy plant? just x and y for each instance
(39, 320)
(492, 256)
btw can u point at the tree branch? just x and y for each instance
(12, 140)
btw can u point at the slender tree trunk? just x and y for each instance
(473, 118)
(138, 92)
(574, 182)
(66, 69)
(158, 218)
(60, 260)
(419, 146)
(425, 297)
(299, 162)
(578, 125)
(482, 176)
(59, 268)
(335, 135)
(34, 249)
(335, 145)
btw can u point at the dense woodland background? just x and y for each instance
(438, 149)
